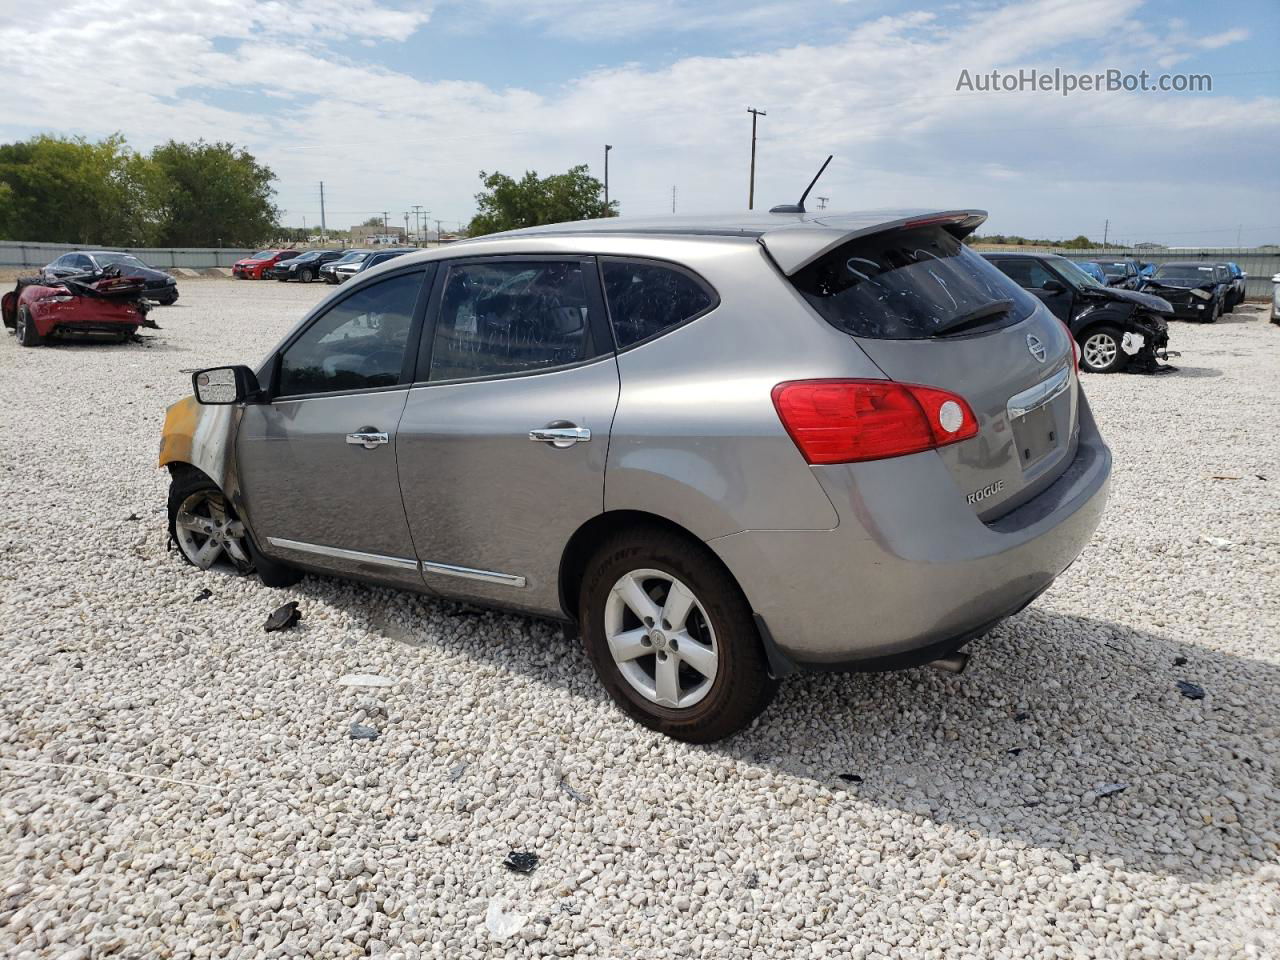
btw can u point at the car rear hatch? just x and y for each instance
(928, 311)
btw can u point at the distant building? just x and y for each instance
(1148, 245)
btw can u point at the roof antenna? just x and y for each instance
(799, 207)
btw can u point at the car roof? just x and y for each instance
(793, 239)
(1187, 263)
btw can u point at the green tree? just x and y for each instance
(69, 190)
(207, 193)
(507, 204)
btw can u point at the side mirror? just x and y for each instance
(1053, 286)
(220, 386)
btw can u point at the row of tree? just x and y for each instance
(72, 190)
(1077, 243)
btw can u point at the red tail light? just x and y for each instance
(843, 421)
(1075, 347)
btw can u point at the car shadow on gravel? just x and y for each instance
(1054, 713)
(1066, 733)
(1184, 372)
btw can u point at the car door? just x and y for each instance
(317, 461)
(504, 438)
(1033, 275)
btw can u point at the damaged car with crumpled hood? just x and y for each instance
(107, 304)
(1114, 329)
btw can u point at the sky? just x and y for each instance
(394, 104)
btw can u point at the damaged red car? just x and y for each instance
(41, 308)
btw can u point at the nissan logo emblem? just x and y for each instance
(1036, 347)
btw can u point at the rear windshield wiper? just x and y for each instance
(974, 317)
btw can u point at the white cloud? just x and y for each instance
(880, 95)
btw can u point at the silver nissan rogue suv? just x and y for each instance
(728, 448)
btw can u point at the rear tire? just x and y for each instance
(719, 635)
(25, 329)
(1100, 351)
(1215, 311)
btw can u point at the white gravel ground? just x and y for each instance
(176, 783)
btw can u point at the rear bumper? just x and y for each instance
(911, 568)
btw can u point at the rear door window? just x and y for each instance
(511, 317)
(907, 284)
(647, 298)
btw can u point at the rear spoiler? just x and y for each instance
(795, 245)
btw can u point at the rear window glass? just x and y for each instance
(648, 298)
(906, 285)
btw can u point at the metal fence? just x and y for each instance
(1260, 265)
(16, 253)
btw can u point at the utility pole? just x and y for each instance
(417, 223)
(607, 148)
(822, 202)
(673, 199)
(751, 189)
(406, 226)
(1106, 228)
(322, 223)
(385, 226)
(437, 231)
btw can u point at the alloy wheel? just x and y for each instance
(661, 638)
(206, 531)
(1100, 351)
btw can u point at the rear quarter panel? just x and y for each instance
(696, 438)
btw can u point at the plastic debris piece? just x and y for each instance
(1179, 661)
(204, 594)
(1108, 789)
(1131, 343)
(1020, 717)
(1014, 751)
(849, 777)
(133, 516)
(283, 618)
(577, 796)
(1216, 542)
(360, 731)
(502, 922)
(1192, 691)
(456, 773)
(365, 680)
(519, 861)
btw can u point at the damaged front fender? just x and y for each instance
(204, 437)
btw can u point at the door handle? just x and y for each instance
(561, 437)
(367, 437)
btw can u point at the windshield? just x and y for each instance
(263, 255)
(309, 255)
(353, 257)
(1184, 271)
(1113, 269)
(906, 284)
(121, 260)
(1077, 277)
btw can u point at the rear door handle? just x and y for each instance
(367, 437)
(561, 437)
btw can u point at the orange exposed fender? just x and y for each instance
(178, 437)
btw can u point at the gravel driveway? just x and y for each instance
(174, 782)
